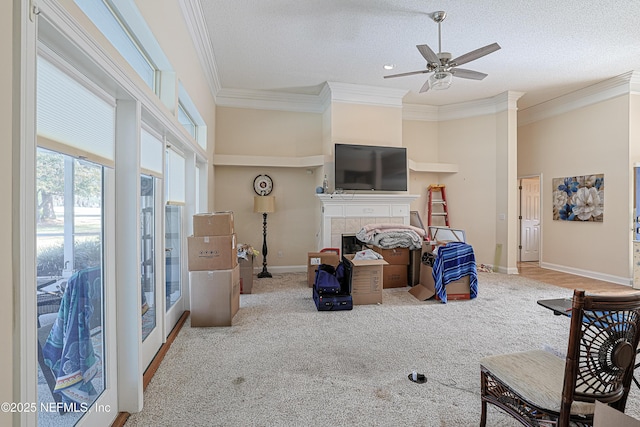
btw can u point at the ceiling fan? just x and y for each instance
(443, 67)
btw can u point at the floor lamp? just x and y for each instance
(264, 205)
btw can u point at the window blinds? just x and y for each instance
(175, 181)
(70, 114)
(151, 150)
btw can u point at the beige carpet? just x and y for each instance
(283, 363)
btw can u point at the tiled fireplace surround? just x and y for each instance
(348, 213)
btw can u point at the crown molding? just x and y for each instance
(420, 112)
(268, 100)
(194, 18)
(623, 84)
(369, 95)
(501, 102)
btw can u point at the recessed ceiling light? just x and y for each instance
(389, 66)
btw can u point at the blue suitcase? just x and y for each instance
(332, 302)
(326, 282)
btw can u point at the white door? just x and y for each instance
(530, 222)
(151, 275)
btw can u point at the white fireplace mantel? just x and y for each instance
(347, 213)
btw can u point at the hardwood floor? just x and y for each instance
(570, 281)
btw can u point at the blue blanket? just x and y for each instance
(454, 261)
(69, 350)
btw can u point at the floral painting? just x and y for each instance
(579, 198)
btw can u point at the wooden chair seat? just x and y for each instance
(535, 376)
(538, 388)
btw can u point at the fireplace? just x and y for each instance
(347, 213)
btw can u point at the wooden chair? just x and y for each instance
(541, 389)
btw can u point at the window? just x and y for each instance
(147, 257)
(175, 187)
(186, 120)
(75, 133)
(123, 26)
(190, 118)
(70, 294)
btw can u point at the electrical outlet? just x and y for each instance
(280, 254)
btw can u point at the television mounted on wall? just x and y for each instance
(369, 167)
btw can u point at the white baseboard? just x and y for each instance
(627, 281)
(282, 269)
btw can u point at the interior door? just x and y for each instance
(530, 222)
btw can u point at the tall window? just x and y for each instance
(173, 240)
(69, 281)
(147, 257)
(73, 117)
(175, 178)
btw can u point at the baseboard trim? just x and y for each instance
(626, 281)
(283, 269)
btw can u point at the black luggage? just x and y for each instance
(332, 302)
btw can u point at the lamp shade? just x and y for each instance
(264, 204)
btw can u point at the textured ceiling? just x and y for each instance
(549, 47)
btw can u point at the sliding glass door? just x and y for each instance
(70, 290)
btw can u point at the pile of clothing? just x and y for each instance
(390, 236)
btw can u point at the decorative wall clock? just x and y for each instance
(263, 185)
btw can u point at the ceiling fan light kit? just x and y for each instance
(443, 67)
(440, 80)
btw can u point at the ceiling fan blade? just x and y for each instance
(410, 73)
(468, 74)
(428, 54)
(425, 87)
(475, 54)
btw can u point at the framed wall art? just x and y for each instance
(579, 198)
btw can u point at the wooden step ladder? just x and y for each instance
(442, 201)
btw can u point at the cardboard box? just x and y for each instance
(415, 261)
(397, 256)
(212, 253)
(458, 290)
(246, 274)
(314, 259)
(394, 276)
(214, 296)
(365, 279)
(606, 416)
(213, 224)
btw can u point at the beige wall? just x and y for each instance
(249, 132)
(590, 140)
(421, 140)
(471, 193)
(366, 124)
(8, 330)
(470, 143)
(291, 229)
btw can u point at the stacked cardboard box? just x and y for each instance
(396, 272)
(214, 274)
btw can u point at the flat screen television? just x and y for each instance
(368, 167)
